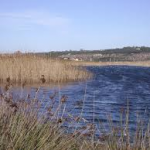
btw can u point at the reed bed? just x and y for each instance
(22, 128)
(27, 68)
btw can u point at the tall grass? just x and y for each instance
(23, 128)
(27, 68)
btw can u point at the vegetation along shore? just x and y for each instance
(22, 128)
(27, 68)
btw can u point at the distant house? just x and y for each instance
(138, 48)
(76, 59)
(97, 55)
(66, 58)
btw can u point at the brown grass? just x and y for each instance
(33, 69)
(128, 63)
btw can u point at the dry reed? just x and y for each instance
(33, 69)
(21, 128)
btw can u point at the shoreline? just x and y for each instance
(121, 63)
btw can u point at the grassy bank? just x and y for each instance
(33, 69)
(128, 63)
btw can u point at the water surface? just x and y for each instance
(111, 90)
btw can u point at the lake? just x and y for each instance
(111, 91)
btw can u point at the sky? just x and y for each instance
(56, 25)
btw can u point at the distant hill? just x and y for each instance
(108, 51)
(117, 54)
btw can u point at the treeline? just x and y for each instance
(124, 50)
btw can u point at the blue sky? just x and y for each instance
(45, 25)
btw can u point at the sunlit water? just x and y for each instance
(111, 90)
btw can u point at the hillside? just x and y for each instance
(117, 54)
